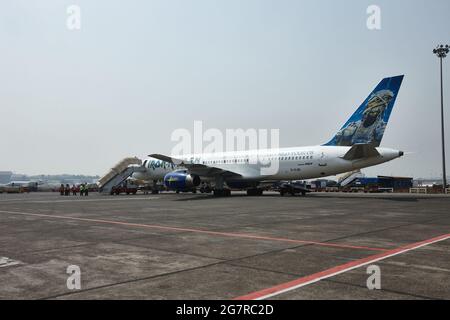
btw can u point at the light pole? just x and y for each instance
(441, 51)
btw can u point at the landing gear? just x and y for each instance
(254, 192)
(205, 188)
(155, 187)
(219, 190)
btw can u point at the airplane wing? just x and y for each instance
(196, 168)
(360, 151)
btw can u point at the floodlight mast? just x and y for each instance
(441, 52)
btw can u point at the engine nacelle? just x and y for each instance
(181, 181)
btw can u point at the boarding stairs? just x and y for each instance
(119, 173)
(349, 177)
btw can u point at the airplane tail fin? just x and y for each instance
(367, 124)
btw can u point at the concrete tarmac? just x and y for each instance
(188, 246)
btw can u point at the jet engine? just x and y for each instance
(181, 181)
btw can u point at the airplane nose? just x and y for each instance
(401, 153)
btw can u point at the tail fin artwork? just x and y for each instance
(367, 124)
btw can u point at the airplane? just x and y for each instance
(19, 186)
(354, 146)
(155, 170)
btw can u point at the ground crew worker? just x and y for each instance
(67, 190)
(81, 189)
(86, 189)
(61, 189)
(74, 190)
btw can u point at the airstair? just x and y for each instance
(119, 173)
(349, 177)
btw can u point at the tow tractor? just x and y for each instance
(292, 188)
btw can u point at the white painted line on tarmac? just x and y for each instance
(7, 262)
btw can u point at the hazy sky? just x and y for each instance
(79, 101)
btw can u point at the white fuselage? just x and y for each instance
(296, 163)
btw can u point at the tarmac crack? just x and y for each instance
(129, 281)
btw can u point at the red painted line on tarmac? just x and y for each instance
(304, 281)
(217, 233)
